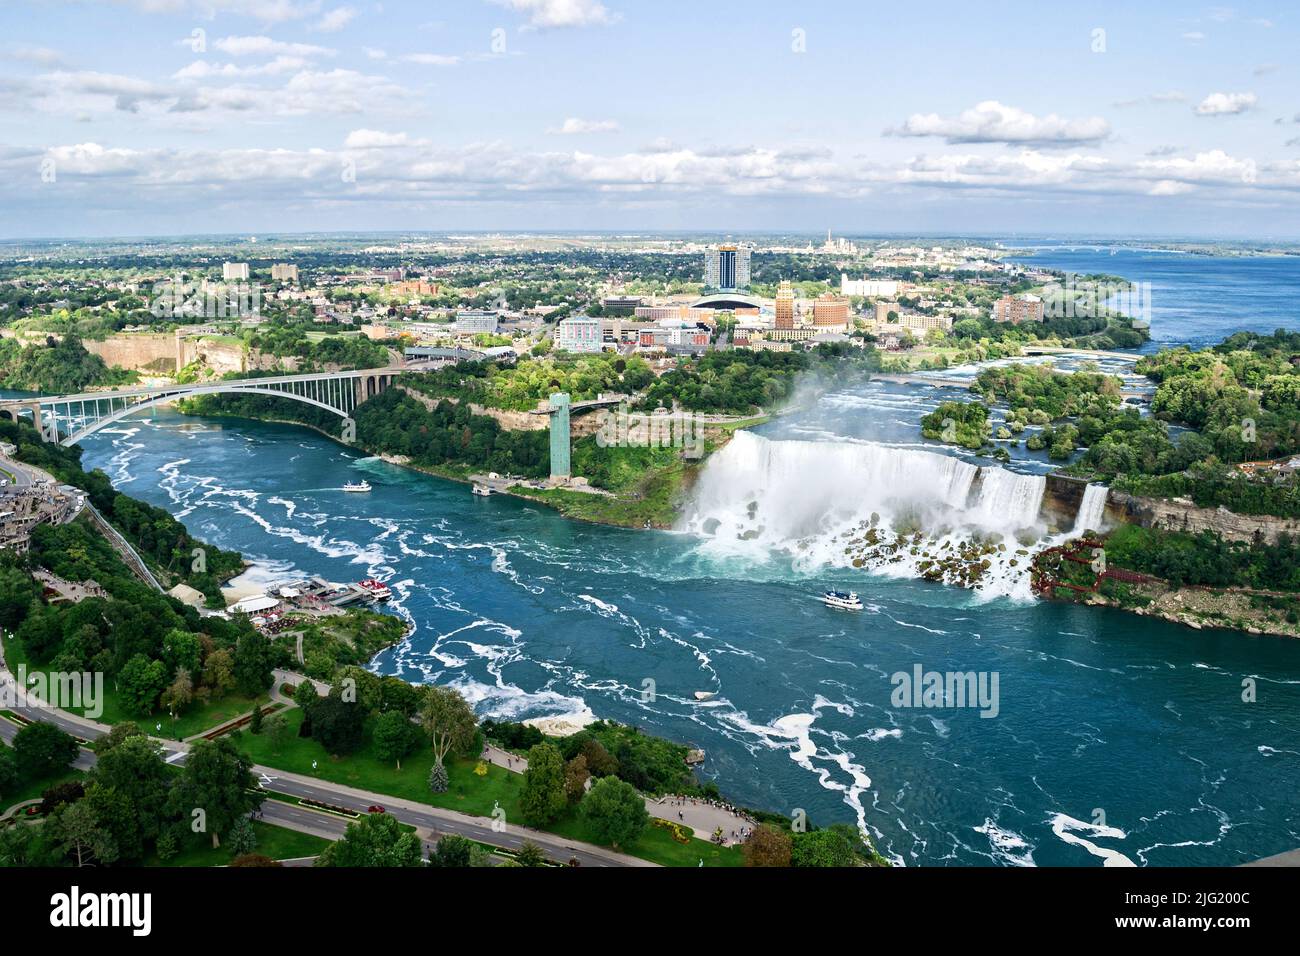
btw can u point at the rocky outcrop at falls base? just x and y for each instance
(1181, 514)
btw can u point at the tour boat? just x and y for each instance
(705, 694)
(362, 485)
(847, 600)
(483, 490)
(378, 590)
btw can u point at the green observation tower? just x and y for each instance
(560, 467)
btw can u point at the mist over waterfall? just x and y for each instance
(897, 511)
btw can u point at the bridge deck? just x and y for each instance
(153, 390)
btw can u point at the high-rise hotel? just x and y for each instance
(784, 306)
(726, 267)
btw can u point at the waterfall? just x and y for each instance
(900, 511)
(1008, 499)
(1092, 509)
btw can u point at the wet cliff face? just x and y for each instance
(1178, 514)
(1062, 498)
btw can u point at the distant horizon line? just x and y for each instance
(662, 233)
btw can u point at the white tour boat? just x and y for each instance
(847, 600)
(362, 485)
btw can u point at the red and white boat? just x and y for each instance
(378, 590)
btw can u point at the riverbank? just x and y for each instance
(653, 503)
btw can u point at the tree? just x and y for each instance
(543, 797)
(70, 791)
(118, 734)
(394, 735)
(600, 763)
(378, 840)
(255, 720)
(337, 725)
(277, 732)
(448, 720)
(140, 682)
(18, 590)
(215, 788)
(832, 846)
(530, 854)
(129, 785)
(42, 750)
(253, 672)
(179, 693)
(219, 672)
(167, 846)
(41, 633)
(767, 846)
(181, 649)
(242, 837)
(30, 846)
(452, 851)
(575, 778)
(397, 694)
(615, 811)
(305, 696)
(8, 771)
(438, 780)
(80, 833)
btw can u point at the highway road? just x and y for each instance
(431, 822)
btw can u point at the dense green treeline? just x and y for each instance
(55, 367)
(520, 386)
(743, 382)
(1206, 559)
(449, 435)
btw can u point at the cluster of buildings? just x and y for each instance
(29, 499)
(671, 335)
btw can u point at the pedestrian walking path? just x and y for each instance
(705, 818)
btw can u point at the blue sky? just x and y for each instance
(130, 117)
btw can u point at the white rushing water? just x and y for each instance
(1092, 509)
(820, 501)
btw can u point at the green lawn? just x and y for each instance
(468, 792)
(192, 721)
(276, 842)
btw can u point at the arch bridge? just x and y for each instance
(82, 414)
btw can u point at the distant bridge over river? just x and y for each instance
(85, 413)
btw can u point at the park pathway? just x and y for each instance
(702, 817)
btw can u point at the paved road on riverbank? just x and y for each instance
(434, 822)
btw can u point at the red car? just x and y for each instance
(375, 808)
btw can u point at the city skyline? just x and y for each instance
(236, 117)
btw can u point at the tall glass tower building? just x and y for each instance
(726, 267)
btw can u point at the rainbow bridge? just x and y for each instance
(69, 418)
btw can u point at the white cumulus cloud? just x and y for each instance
(1226, 104)
(575, 126)
(552, 14)
(994, 122)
